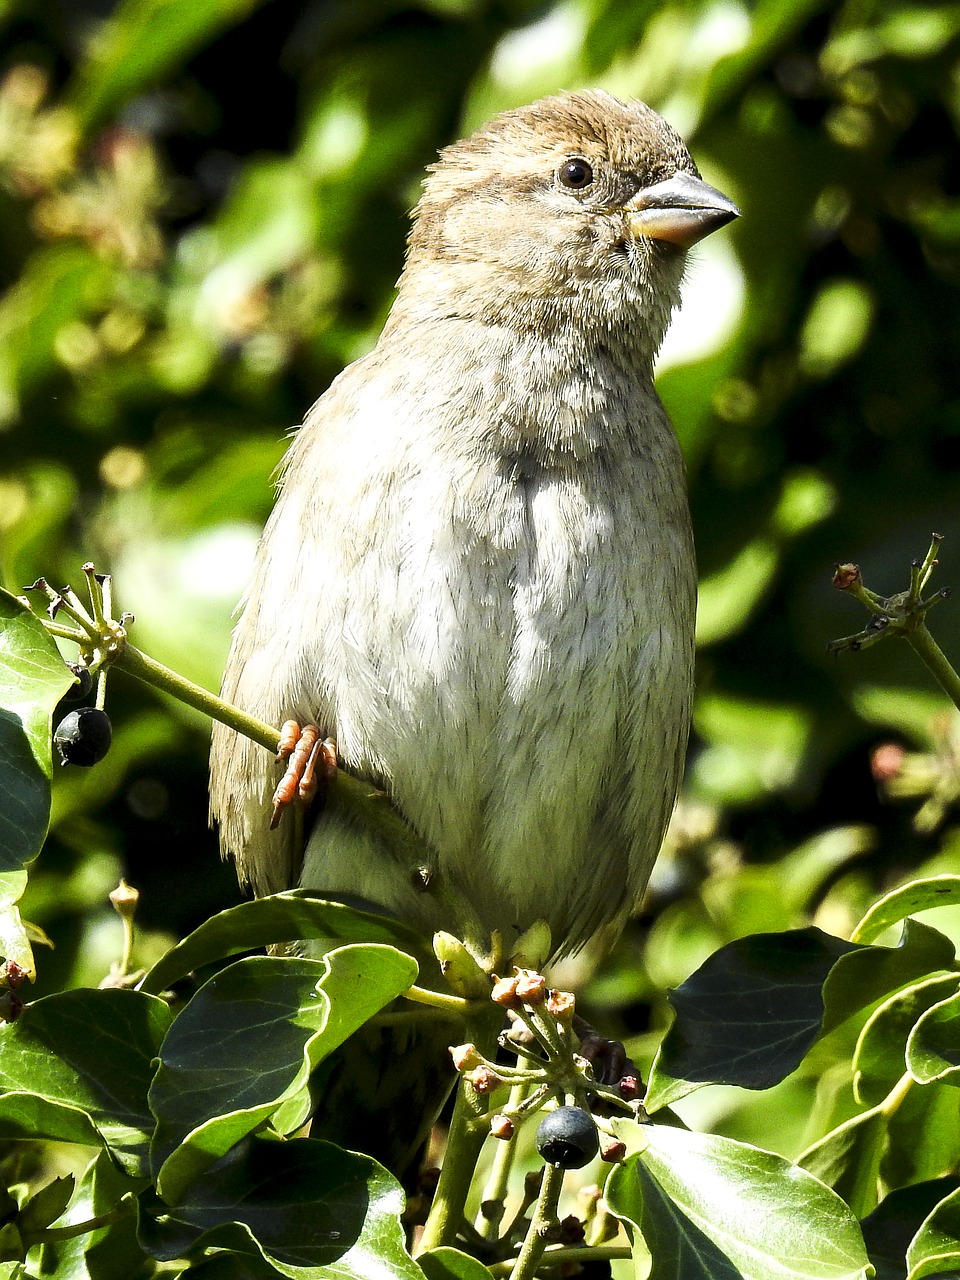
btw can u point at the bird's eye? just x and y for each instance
(576, 174)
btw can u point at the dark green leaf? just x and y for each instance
(92, 1051)
(33, 679)
(306, 1206)
(247, 1042)
(772, 1220)
(888, 1231)
(747, 1016)
(283, 917)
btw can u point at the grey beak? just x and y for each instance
(682, 209)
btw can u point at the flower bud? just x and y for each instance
(505, 993)
(502, 1126)
(562, 1005)
(463, 975)
(531, 987)
(465, 1057)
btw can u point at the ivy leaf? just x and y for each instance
(889, 1230)
(747, 1016)
(245, 1045)
(33, 679)
(918, 895)
(933, 1046)
(879, 1060)
(935, 1249)
(848, 1159)
(106, 1253)
(764, 1217)
(451, 1264)
(90, 1052)
(306, 1207)
(282, 917)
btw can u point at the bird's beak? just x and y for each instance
(681, 210)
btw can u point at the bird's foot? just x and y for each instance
(609, 1060)
(311, 763)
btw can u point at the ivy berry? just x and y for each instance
(83, 737)
(568, 1138)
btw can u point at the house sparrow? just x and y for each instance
(479, 577)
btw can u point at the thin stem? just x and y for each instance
(935, 660)
(51, 1234)
(438, 1000)
(577, 1253)
(142, 667)
(494, 1193)
(544, 1217)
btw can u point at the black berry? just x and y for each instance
(81, 685)
(83, 737)
(567, 1137)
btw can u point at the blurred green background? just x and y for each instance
(203, 206)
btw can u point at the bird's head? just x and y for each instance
(576, 209)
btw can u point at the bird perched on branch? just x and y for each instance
(479, 577)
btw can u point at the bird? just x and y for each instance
(479, 577)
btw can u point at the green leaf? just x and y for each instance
(106, 1253)
(140, 41)
(747, 1016)
(889, 1230)
(770, 1219)
(33, 679)
(880, 1056)
(14, 939)
(848, 1159)
(44, 1208)
(935, 1249)
(307, 1207)
(933, 1046)
(923, 1141)
(28, 1116)
(679, 1250)
(90, 1051)
(245, 1045)
(451, 1264)
(299, 914)
(919, 895)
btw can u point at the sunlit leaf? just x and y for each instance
(764, 1217)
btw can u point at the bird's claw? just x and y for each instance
(311, 763)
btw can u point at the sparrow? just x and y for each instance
(479, 576)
